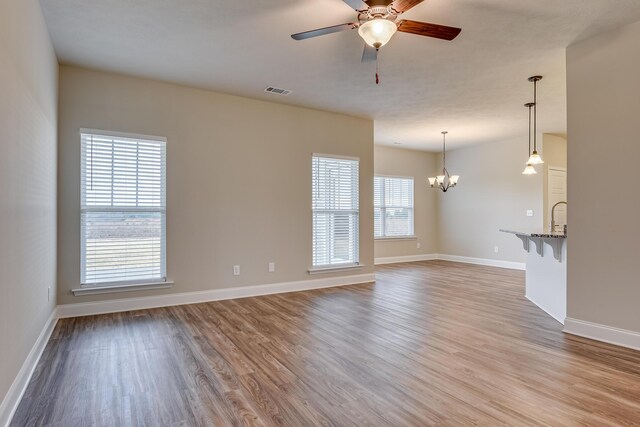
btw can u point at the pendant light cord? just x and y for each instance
(444, 153)
(535, 116)
(529, 152)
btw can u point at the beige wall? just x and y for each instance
(604, 199)
(28, 104)
(419, 165)
(238, 178)
(492, 193)
(554, 153)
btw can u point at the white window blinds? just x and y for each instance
(393, 206)
(123, 209)
(335, 205)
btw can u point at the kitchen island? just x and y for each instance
(546, 271)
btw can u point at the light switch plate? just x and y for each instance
(236, 270)
(272, 267)
(530, 212)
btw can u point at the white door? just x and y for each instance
(557, 191)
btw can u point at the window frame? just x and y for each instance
(338, 266)
(162, 281)
(384, 207)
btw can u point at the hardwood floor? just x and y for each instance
(430, 343)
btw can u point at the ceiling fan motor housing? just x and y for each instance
(375, 3)
(377, 12)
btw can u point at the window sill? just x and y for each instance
(110, 289)
(335, 268)
(396, 238)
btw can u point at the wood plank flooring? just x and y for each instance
(430, 343)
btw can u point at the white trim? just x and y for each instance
(453, 258)
(126, 135)
(484, 261)
(334, 268)
(127, 287)
(604, 333)
(114, 306)
(394, 176)
(19, 386)
(406, 258)
(386, 238)
(335, 156)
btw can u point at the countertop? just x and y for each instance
(538, 234)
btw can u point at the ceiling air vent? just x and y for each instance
(277, 91)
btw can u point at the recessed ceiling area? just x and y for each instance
(474, 87)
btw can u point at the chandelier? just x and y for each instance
(444, 181)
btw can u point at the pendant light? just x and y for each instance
(529, 170)
(444, 181)
(535, 158)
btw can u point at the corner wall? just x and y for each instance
(604, 208)
(419, 165)
(28, 123)
(492, 194)
(238, 179)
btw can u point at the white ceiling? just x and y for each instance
(475, 86)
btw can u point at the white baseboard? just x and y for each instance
(454, 258)
(16, 391)
(406, 258)
(484, 261)
(598, 332)
(114, 306)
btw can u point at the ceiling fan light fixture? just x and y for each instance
(377, 32)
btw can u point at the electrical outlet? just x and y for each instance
(236, 270)
(418, 245)
(272, 267)
(496, 249)
(530, 212)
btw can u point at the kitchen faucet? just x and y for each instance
(553, 215)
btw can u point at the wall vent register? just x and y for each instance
(123, 209)
(277, 91)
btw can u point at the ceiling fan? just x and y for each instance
(378, 21)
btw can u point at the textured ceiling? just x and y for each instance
(475, 86)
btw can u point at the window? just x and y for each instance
(123, 204)
(335, 205)
(393, 207)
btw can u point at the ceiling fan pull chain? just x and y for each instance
(377, 76)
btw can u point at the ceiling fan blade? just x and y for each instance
(369, 54)
(404, 5)
(356, 4)
(323, 31)
(429, 30)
